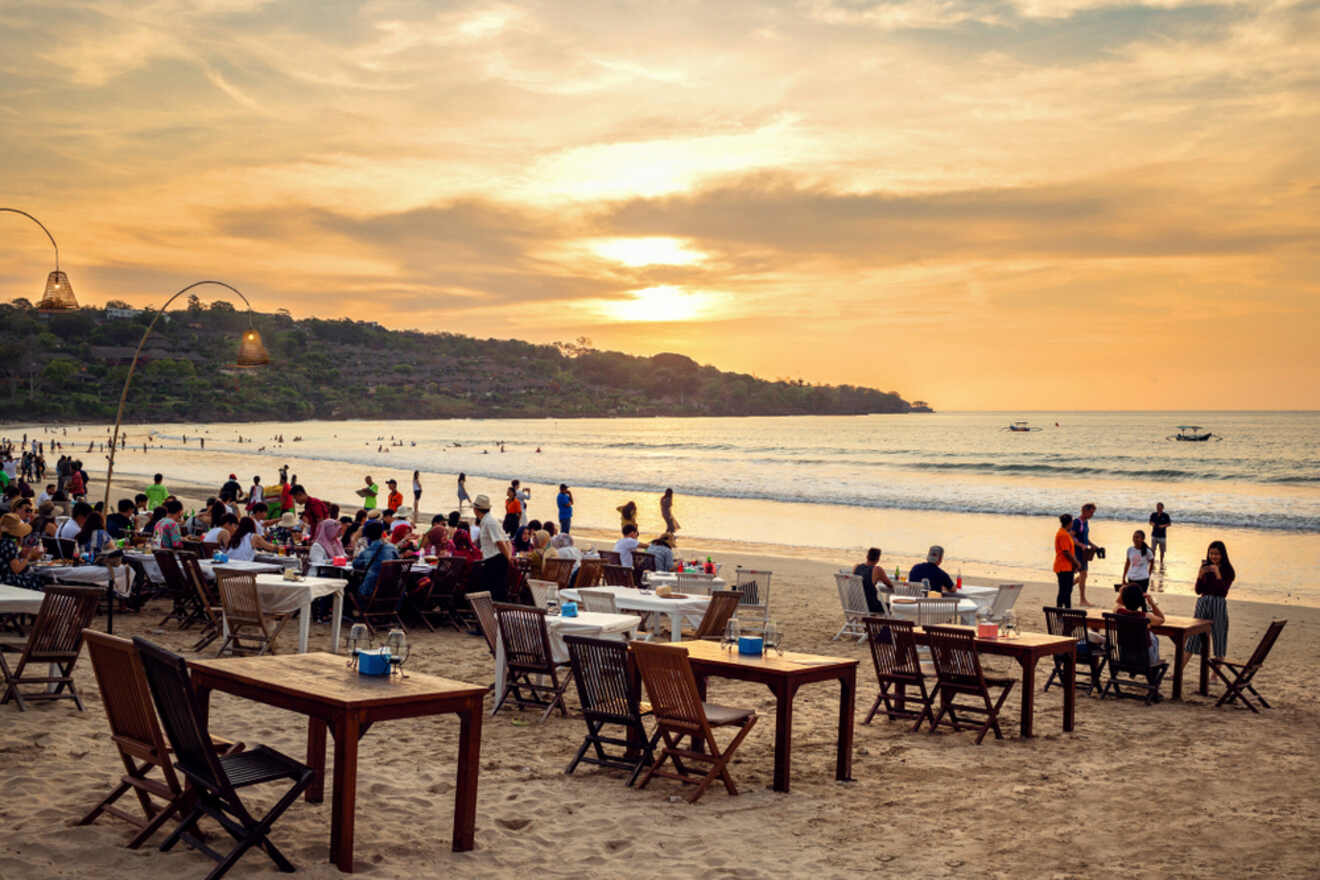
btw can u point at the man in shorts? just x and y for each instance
(1159, 524)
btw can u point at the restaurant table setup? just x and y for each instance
(337, 697)
(677, 607)
(655, 579)
(91, 575)
(905, 608)
(279, 595)
(578, 623)
(1177, 630)
(208, 566)
(18, 600)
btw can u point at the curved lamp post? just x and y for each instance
(58, 296)
(251, 353)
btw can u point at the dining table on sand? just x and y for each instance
(654, 579)
(587, 623)
(1027, 649)
(88, 575)
(677, 608)
(279, 596)
(335, 697)
(905, 608)
(19, 600)
(783, 674)
(1178, 629)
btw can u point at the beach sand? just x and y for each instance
(1173, 790)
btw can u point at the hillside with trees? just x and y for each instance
(71, 367)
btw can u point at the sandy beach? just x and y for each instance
(1173, 790)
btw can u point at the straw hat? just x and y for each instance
(288, 520)
(11, 525)
(481, 502)
(374, 513)
(403, 512)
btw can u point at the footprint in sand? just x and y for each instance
(513, 824)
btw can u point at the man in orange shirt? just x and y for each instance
(1065, 561)
(395, 499)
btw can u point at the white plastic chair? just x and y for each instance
(853, 600)
(694, 582)
(542, 591)
(754, 603)
(1005, 599)
(600, 601)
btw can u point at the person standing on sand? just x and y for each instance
(627, 514)
(524, 497)
(564, 500)
(1213, 581)
(1136, 568)
(394, 500)
(496, 551)
(368, 493)
(462, 492)
(512, 511)
(417, 492)
(667, 511)
(1065, 560)
(1159, 530)
(1084, 549)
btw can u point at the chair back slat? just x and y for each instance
(525, 636)
(1266, 643)
(1069, 622)
(239, 597)
(57, 634)
(851, 595)
(694, 582)
(670, 685)
(124, 691)
(391, 582)
(909, 589)
(1127, 641)
(893, 648)
(754, 584)
(609, 557)
(598, 600)
(175, 581)
(560, 571)
(542, 591)
(483, 607)
(642, 561)
(176, 704)
(589, 573)
(723, 605)
(607, 680)
(953, 651)
(936, 612)
(1005, 599)
(619, 575)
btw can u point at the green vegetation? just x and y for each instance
(71, 366)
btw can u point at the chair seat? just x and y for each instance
(999, 680)
(719, 716)
(262, 764)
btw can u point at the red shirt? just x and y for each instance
(315, 510)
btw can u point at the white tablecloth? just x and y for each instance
(17, 600)
(587, 623)
(654, 579)
(149, 566)
(905, 608)
(92, 575)
(279, 596)
(208, 567)
(629, 599)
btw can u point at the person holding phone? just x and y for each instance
(1213, 581)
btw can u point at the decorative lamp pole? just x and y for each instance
(58, 296)
(251, 353)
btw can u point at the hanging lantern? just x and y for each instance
(59, 294)
(251, 353)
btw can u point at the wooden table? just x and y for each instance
(1027, 649)
(783, 674)
(1178, 629)
(322, 687)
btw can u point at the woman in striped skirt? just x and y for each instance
(1212, 584)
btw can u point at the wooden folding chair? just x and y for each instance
(1071, 623)
(183, 596)
(527, 654)
(1243, 673)
(137, 734)
(679, 712)
(723, 605)
(483, 608)
(208, 598)
(643, 561)
(619, 575)
(440, 599)
(560, 571)
(611, 691)
(386, 599)
(894, 653)
(244, 615)
(958, 672)
(215, 779)
(609, 557)
(589, 573)
(55, 639)
(1127, 649)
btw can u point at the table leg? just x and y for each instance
(698, 742)
(1028, 693)
(847, 698)
(784, 694)
(316, 730)
(336, 621)
(344, 797)
(469, 765)
(304, 625)
(1069, 689)
(675, 627)
(1179, 661)
(1204, 688)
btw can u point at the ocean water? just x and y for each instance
(839, 482)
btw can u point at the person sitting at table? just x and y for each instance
(120, 523)
(326, 545)
(377, 551)
(931, 572)
(287, 529)
(627, 544)
(15, 559)
(1134, 600)
(167, 533)
(245, 543)
(536, 556)
(522, 539)
(223, 533)
(463, 545)
(73, 525)
(871, 574)
(44, 523)
(93, 538)
(662, 548)
(402, 537)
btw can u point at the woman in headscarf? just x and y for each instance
(463, 545)
(401, 537)
(326, 546)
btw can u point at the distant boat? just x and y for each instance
(1020, 427)
(1193, 434)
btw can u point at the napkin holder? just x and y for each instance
(751, 645)
(373, 661)
(568, 609)
(987, 630)
(339, 560)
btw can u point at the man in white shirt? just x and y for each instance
(46, 494)
(626, 545)
(496, 550)
(73, 525)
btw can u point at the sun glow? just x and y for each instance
(647, 251)
(663, 303)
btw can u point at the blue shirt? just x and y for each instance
(1081, 531)
(565, 502)
(369, 560)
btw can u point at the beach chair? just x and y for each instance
(958, 673)
(1004, 601)
(244, 616)
(214, 779)
(894, 653)
(679, 712)
(1127, 651)
(137, 734)
(386, 599)
(723, 605)
(619, 576)
(50, 651)
(610, 690)
(853, 600)
(589, 573)
(542, 591)
(528, 658)
(1240, 684)
(1071, 622)
(754, 606)
(694, 583)
(601, 601)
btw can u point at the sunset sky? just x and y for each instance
(1034, 204)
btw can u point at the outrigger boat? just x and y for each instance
(1020, 427)
(1193, 434)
